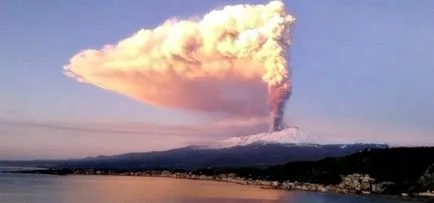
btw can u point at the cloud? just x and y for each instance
(36, 139)
(210, 131)
(227, 62)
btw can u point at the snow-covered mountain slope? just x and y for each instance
(286, 136)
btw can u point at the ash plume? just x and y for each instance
(217, 64)
(278, 95)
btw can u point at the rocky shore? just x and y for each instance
(360, 184)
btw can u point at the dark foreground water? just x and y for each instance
(29, 188)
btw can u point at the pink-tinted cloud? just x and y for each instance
(222, 63)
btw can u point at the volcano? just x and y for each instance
(287, 136)
(258, 150)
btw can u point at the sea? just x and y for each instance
(34, 188)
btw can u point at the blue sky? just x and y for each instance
(361, 70)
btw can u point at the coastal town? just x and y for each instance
(361, 184)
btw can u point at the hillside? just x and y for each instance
(404, 167)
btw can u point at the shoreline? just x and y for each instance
(262, 184)
(371, 195)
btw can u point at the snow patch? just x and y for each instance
(285, 136)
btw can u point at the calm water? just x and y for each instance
(29, 188)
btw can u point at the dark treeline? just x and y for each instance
(402, 166)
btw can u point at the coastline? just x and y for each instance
(230, 178)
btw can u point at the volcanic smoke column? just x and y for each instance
(278, 95)
(196, 64)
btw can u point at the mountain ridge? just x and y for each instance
(259, 150)
(287, 136)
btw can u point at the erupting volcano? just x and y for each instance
(193, 64)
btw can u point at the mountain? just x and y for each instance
(293, 136)
(259, 150)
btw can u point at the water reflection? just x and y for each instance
(139, 189)
(16, 188)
